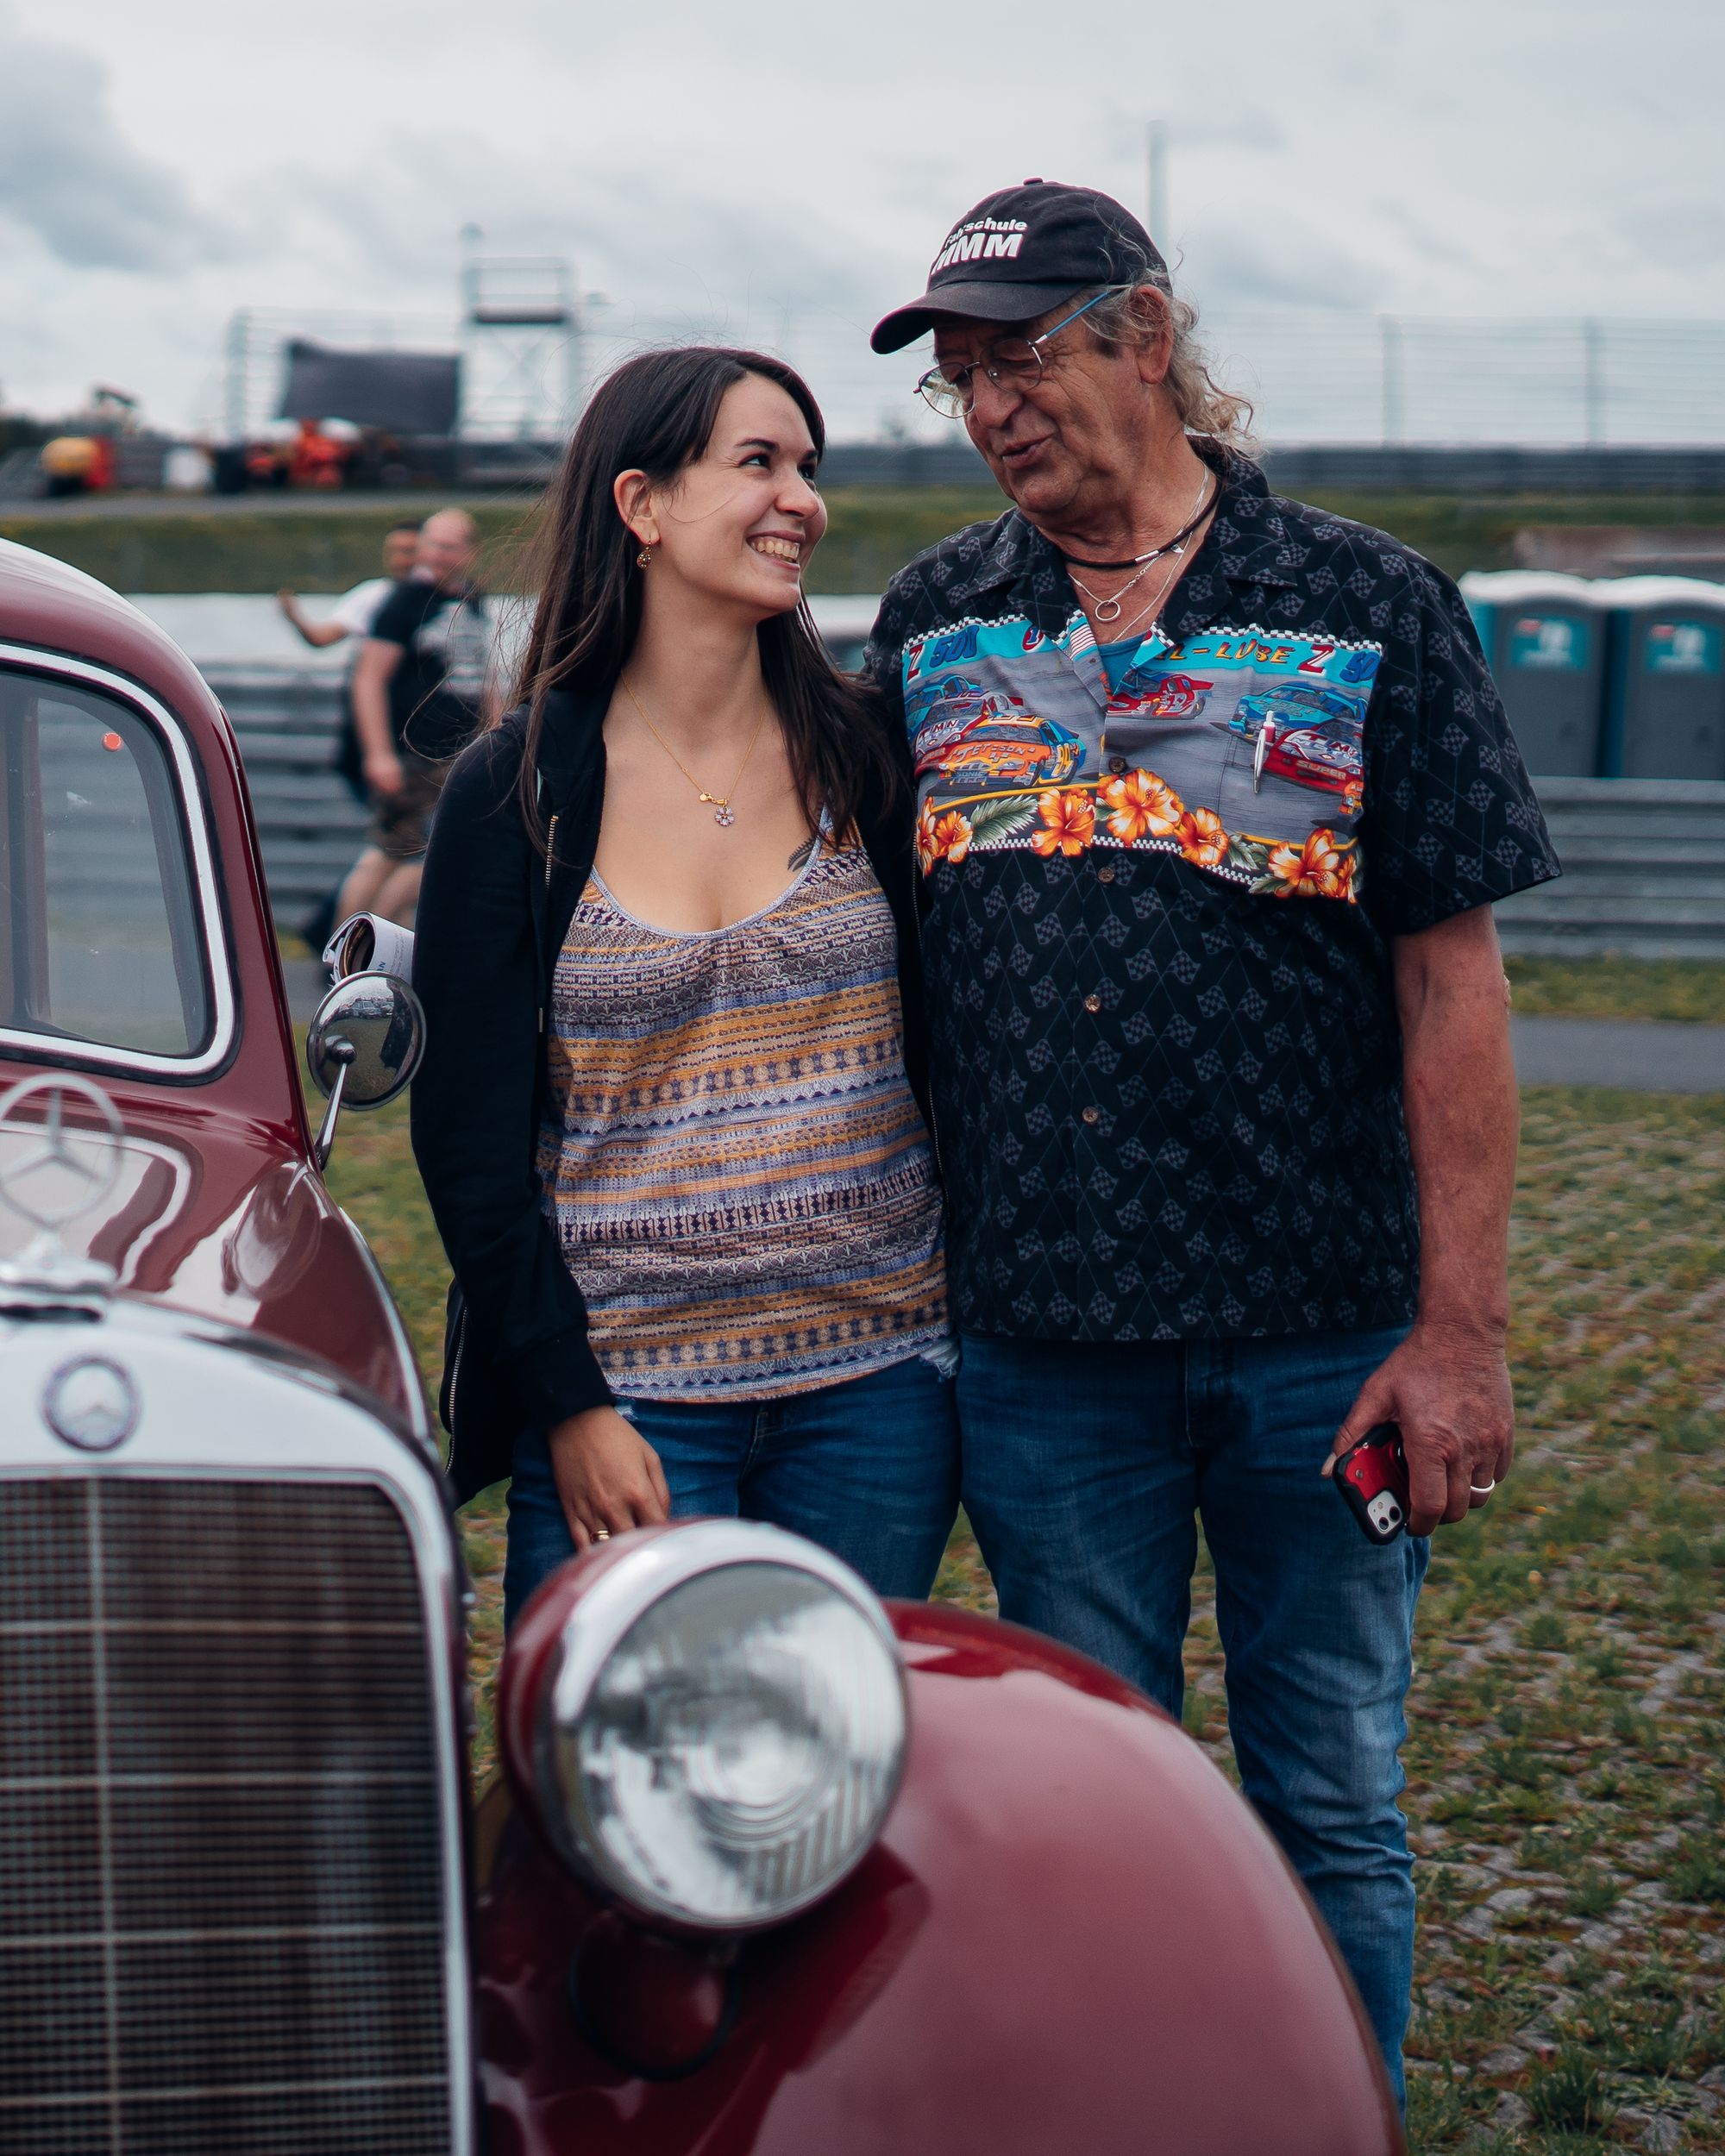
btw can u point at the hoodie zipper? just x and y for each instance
(550, 856)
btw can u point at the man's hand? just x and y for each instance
(1447, 1389)
(383, 773)
(1447, 1386)
(607, 1475)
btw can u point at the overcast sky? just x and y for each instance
(785, 171)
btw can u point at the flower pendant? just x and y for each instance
(722, 814)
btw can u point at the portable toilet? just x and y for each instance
(1476, 591)
(1545, 641)
(1665, 700)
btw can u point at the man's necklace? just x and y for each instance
(719, 803)
(1152, 606)
(1108, 609)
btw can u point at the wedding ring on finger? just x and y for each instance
(600, 1534)
(1482, 1489)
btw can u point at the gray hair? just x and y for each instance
(1203, 406)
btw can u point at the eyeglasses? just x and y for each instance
(1012, 363)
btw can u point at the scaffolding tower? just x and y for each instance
(520, 347)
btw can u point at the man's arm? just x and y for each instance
(1447, 1385)
(315, 633)
(372, 676)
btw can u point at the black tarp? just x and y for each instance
(406, 392)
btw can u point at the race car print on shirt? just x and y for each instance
(1239, 749)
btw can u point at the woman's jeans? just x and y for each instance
(868, 1469)
(1086, 1469)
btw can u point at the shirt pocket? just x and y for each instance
(994, 710)
(1261, 745)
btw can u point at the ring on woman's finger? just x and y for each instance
(600, 1534)
(1482, 1489)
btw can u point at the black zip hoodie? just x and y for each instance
(493, 912)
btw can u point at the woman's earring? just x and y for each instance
(644, 558)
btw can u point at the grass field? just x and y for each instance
(1691, 988)
(874, 531)
(1566, 1750)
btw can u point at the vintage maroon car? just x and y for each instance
(771, 1868)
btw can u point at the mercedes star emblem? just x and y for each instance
(92, 1404)
(68, 1170)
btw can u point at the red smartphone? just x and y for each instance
(1372, 1475)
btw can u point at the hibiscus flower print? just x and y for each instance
(1069, 821)
(1140, 803)
(1319, 869)
(927, 823)
(950, 837)
(1202, 840)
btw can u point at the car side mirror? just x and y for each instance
(364, 1045)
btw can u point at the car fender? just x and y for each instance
(1072, 1934)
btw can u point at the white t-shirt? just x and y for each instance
(357, 609)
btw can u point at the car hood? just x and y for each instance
(223, 1218)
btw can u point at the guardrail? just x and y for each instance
(1644, 860)
(309, 826)
(1644, 871)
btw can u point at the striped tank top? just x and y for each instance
(732, 1157)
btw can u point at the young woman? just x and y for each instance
(670, 1119)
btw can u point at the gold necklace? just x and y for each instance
(718, 803)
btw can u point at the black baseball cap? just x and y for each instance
(1023, 251)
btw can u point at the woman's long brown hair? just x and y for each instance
(656, 414)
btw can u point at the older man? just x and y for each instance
(1214, 795)
(419, 694)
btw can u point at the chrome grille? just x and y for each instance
(221, 1884)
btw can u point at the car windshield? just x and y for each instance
(99, 937)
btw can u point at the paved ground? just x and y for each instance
(306, 982)
(1646, 1055)
(1649, 1055)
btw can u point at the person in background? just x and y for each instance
(353, 613)
(352, 616)
(418, 692)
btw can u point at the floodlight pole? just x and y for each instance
(1155, 158)
(1593, 383)
(239, 354)
(1389, 346)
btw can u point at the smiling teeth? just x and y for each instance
(781, 549)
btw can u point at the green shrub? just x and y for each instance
(1698, 1874)
(1570, 2091)
(1592, 1893)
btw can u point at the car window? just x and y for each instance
(99, 939)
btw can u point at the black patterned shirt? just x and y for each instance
(1157, 919)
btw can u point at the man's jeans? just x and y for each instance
(1083, 1469)
(868, 1469)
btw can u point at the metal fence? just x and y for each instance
(1643, 871)
(1316, 376)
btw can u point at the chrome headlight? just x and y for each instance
(718, 1729)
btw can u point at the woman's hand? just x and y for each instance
(607, 1475)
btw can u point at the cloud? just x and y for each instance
(69, 177)
(1230, 265)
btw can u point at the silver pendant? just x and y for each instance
(722, 814)
(1107, 610)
